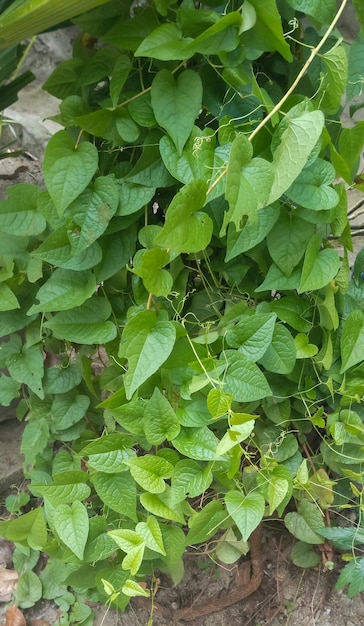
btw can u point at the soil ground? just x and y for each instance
(288, 595)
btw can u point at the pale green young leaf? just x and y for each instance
(280, 356)
(319, 267)
(243, 378)
(68, 169)
(252, 335)
(305, 522)
(18, 213)
(161, 505)
(312, 189)
(296, 144)
(65, 289)
(152, 534)
(176, 103)
(92, 211)
(196, 443)
(126, 539)
(287, 241)
(133, 589)
(72, 525)
(205, 524)
(304, 349)
(352, 340)
(234, 436)
(117, 491)
(146, 343)
(86, 324)
(160, 420)
(254, 231)
(150, 471)
(246, 511)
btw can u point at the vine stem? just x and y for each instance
(299, 76)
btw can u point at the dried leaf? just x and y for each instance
(39, 622)
(8, 581)
(14, 617)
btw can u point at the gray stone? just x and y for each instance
(11, 460)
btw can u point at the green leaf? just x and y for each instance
(319, 267)
(322, 12)
(287, 241)
(150, 471)
(148, 265)
(218, 402)
(133, 544)
(246, 511)
(176, 103)
(68, 169)
(29, 529)
(305, 522)
(352, 340)
(68, 409)
(276, 280)
(117, 491)
(351, 141)
(161, 505)
(57, 250)
(18, 213)
(303, 555)
(355, 66)
(222, 36)
(252, 335)
(352, 575)
(189, 479)
(92, 211)
(160, 420)
(333, 84)
(85, 324)
(108, 453)
(197, 443)
(293, 311)
(29, 590)
(304, 350)
(280, 356)
(27, 367)
(146, 343)
(267, 34)
(205, 524)
(243, 378)
(66, 488)
(62, 379)
(152, 534)
(196, 160)
(9, 389)
(65, 289)
(252, 233)
(113, 124)
(187, 229)
(34, 440)
(312, 190)
(72, 525)
(241, 426)
(165, 43)
(296, 144)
